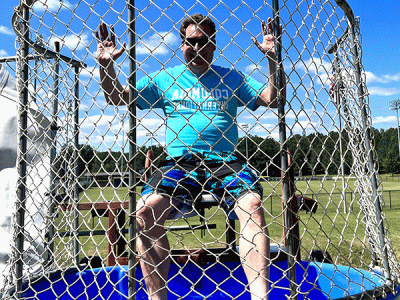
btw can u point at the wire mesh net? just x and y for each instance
(84, 164)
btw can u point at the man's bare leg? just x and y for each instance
(254, 244)
(152, 244)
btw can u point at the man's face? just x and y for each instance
(198, 49)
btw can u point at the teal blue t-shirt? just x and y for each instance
(200, 110)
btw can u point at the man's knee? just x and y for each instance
(251, 207)
(145, 217)
(151, 210)
(251, 202)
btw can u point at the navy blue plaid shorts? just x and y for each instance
(186, 179)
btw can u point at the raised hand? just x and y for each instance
(106, 47)
(268, 44)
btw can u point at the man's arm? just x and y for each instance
(268, 97)
(107, 53)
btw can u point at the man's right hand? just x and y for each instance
(106, 47)
(107, 54)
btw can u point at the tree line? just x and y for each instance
(313, 154)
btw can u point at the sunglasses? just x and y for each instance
(200, 41)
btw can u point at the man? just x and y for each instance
(200, 102)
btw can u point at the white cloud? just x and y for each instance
(51, 5)
(110, 124)
(272, 115)
(3, 53)
(264, 128)
(380, 119)
(6, 30)
(259, 114)
(266, 131)
(380, 91)
(117, 126)
(151, 123)
(316, 66)
(251, 68)
(157, 43)
(105, 132)
(72, 41)
(305, 126)
(91, 71)
(317, 70)
(371, 77)
(97, 121)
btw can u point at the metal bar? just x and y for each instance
(124, 231)
(230, 233)
(339, 41)
(47, 53)
(75, 160)
(14, 58)
(44, 54)
(369, 148)
(395, 105)
(82, 233)
(53, 172)
(22, 157)
(132, 151)
(193, 227)
(35, 74)
(338, 100)
(283, 151)
(398, 128)
(112, 237)
(347, 10)
(121, 241)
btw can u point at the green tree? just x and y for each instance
(67, 158)
(387, 150)
(260, 154)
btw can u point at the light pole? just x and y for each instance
(152, 135)
(123, 144)
(395, 105)
(246, 126)
(122, 117)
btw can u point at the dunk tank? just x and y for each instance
(81, 163)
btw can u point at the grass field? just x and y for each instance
(343, 235)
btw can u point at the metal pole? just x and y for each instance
(398, 128)
(342, 162)
(132, 151)
(247, 149)
(123, 147)
(338, 100)
(368, 148)
(284, 153)
(75, 159)
(152, 137)
(22, 158)
(53, 134)
(246, 126)
(35, 73)
(395, 105)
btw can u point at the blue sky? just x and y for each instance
(379, 30)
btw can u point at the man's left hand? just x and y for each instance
(268, 44)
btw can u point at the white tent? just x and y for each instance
(38, 174)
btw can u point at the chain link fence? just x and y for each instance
(82, 173)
